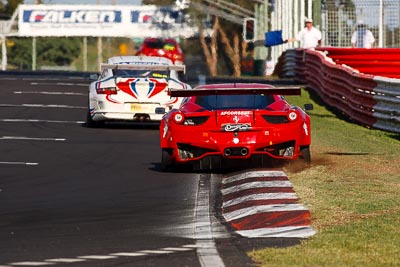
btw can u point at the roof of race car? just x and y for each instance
(236, 89)
(141, 63)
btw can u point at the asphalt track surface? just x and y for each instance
(77, 196)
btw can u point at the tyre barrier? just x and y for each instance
(264, 204)
(368, 99)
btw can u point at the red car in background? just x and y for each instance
(162, 47)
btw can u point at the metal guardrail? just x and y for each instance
(370, 100)
(387, 109)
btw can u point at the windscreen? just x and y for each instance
(141, 73)
(157, 44)
(213, 102)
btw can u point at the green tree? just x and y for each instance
(20, 55)
(158, 2)
(224, 50)
(50, 51)
(12, 5)
(58, 51)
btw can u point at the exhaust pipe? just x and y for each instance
(227, 152)
(244, 151)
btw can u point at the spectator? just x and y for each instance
(309, 36)
(362, 37)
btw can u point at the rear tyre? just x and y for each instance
(90, 123)
(305, 154)
(166, 162)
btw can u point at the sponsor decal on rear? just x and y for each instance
(235, 113)
(236, 127)
(140, 63)
(130, 86)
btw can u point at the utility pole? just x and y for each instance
(37, 2)
(99, 46)
(85, 63)
(380, 39)
(33, 53)
(3, 52)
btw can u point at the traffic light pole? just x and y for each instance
(3, 52)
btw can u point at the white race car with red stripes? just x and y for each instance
(133, 88)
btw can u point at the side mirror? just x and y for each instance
(308, 107)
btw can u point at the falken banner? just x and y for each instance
(102, 21)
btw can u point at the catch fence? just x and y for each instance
(381, 17)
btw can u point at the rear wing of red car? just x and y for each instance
(144, 66)
(236, 89)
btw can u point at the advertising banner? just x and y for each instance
(103, 21)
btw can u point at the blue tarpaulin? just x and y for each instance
(273, 38)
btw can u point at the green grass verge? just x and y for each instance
(352, 190)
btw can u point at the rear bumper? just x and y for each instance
(218, 162)
(126, 116)
(285, 150)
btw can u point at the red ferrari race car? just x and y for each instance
(219, 125)
(162, 47)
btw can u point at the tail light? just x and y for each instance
(197, 120)
(177, 56)
(106, 91)
(292, 115)
(178, 117)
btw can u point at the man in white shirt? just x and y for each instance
(309, 36)
(362, 37)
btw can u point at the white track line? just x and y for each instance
(34, 120)
(206, 249)
(48, 93)
(42, 106)
(97, 257)
(31, 263)
(65, 260)
(155, 251)
(65, 84)
(18, 163)
(31, 138)
(128, 254)
(178, 249)
(161, 251)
